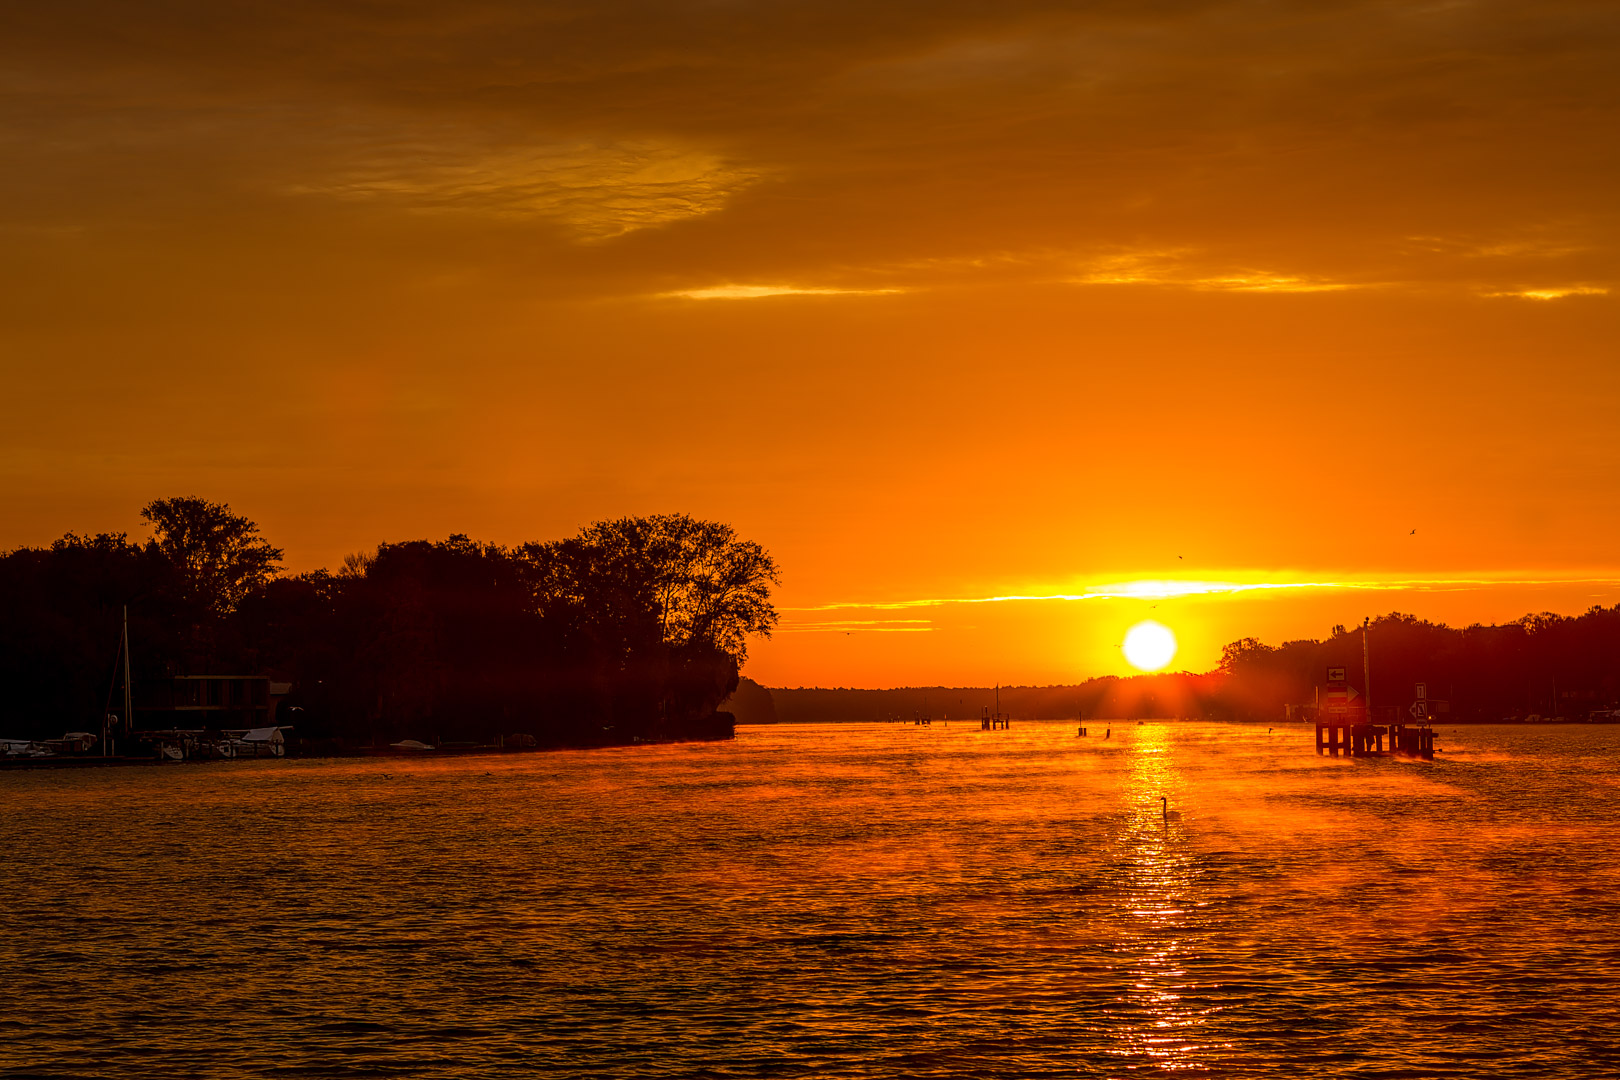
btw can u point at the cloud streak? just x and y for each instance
(599, 191)
(757, 292)
(1166, 589)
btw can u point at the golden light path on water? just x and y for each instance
(883, 900)
(1159, 888)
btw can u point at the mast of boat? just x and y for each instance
(129, 721)
(112, 684)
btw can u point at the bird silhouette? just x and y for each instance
(1412, 533)
(1178, 556)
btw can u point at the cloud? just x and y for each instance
(598, 190)
(1305, 147)
(1164, 589)
(851, 626)
(753, 292)
(1552, 293)
(1192, 269)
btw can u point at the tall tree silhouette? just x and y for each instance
(219, 557)
(687, 582)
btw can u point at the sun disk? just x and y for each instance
(1149, 646)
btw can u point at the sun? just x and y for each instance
(1149, 646)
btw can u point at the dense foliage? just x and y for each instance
(633, 628)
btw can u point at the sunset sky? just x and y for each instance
(977, 316)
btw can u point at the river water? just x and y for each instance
(863, 901)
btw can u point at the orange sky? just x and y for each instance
(937, 301)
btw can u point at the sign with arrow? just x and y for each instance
(1340, 701)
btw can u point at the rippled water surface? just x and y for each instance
(825, 901)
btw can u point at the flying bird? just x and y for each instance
(1412, 533)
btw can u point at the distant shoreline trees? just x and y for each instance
(1547, 665)
(633, 629)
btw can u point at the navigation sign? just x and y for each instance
(1335, 676)
(1418, 710)
(1422, 691)
(1340, 701)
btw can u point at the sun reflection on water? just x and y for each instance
(1159, 893)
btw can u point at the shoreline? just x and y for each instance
(90, 761)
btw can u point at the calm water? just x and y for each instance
(826, 901)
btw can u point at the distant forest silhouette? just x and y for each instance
(632, 629)
(1482, 673)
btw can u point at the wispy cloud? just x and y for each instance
(754, 292)
(1558, 292)
(1190, 269)
(598, 190)
(851, 626)
(1262, 281)
(1173, 268)
(1170, 589)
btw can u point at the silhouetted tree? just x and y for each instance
(219, 556)
(695, 580)
(657, 609)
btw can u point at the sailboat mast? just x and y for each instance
(129, 721)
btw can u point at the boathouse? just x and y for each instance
(214, 702)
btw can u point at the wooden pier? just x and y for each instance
(990, 721)
(1349, 739)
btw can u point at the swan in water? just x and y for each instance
(1164, 808)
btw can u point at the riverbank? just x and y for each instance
(716, 728)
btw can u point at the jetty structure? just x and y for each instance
(1347, 725)
(1367, 740)
(991, 721)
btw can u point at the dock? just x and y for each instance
(1336, 738)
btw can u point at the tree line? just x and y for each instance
(633, 628)
(1547, 665)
